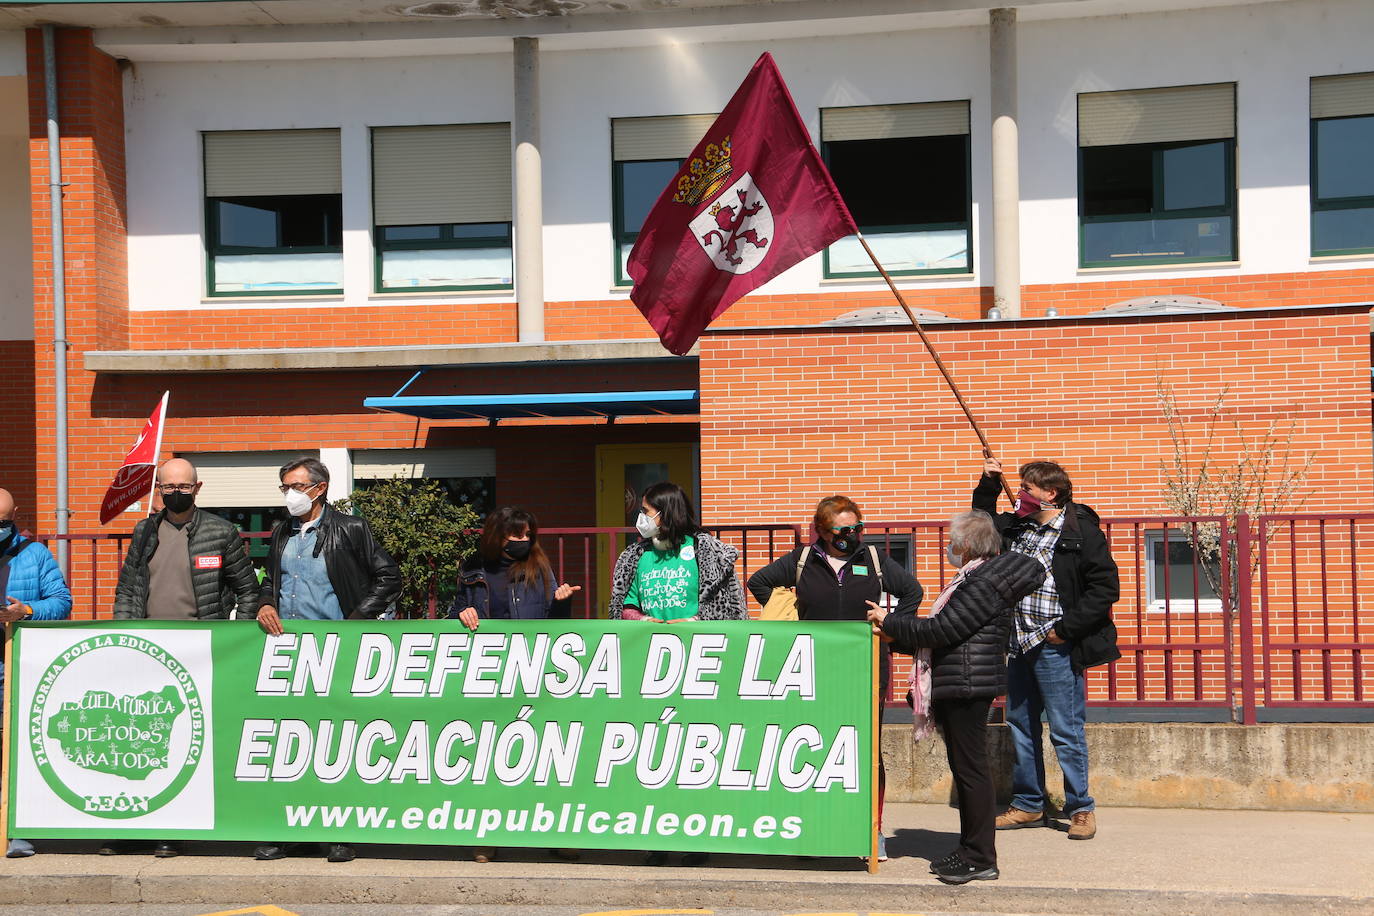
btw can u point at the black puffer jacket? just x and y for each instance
(365, 577)
(219, 586)
(1085, 576)
(969, 636)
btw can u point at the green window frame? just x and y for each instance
(449, 237)
(622, 235)
(1334, 204)
(871, 230)
(1157, 211)
(215, 248)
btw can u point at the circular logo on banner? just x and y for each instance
(122, 752)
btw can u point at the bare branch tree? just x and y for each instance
(1263, 478)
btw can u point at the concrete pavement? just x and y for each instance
(1143, 861)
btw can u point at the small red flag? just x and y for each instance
(753, 199)
(135, 475)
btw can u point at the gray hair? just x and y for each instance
(974, 535)
(313, 466)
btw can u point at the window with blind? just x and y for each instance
(1156, 176)
(441, 204)
(1342, 149)
(646, 154)
(273, 209)
(903, 170)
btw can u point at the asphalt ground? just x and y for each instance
(1143, 861)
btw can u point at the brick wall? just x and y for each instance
(17, 421)
(791, 416)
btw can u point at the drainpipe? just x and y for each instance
(529, 195)
(1006, 167)
(59, 289)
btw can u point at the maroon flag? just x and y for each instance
(135, 475)
(753, 199)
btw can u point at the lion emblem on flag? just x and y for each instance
(735, 229)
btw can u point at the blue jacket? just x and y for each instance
(527, 601)
(36, 581)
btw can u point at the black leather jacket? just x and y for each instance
(1085, 576)
(364, 576)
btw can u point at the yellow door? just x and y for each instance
(623, 473)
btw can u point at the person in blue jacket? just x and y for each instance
(33, 589)
(511, 577)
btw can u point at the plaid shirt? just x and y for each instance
(1038, 612)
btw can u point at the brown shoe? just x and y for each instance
(483, 854)
(1015, 819)
(1083, 825)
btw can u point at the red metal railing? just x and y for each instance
(1303, 642)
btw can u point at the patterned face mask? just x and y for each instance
(1027, 504)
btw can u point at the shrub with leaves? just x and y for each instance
(428, 535)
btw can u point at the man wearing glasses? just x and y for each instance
(183, 564)
(322, 565)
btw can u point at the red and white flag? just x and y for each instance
(752, 200)
(135, 476)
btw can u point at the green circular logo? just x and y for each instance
(124, 752)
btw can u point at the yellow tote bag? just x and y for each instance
(782, 603)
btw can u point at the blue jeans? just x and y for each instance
(1043, 681)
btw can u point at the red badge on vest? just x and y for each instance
(209, 562)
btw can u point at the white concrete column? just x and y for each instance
(529, 190)
(339, 461)
(1006, 166)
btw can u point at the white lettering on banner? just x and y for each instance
(798, 672)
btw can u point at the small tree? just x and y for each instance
(1263, 478)
(427, 535)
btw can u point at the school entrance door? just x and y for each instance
(623, 473)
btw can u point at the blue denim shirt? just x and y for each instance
(306, 592)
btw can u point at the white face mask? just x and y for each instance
(298, 503)
(646, 526)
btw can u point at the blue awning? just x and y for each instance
(609, 404)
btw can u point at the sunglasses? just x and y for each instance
(847, 531)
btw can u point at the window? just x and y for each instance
(903, 170)
(467, 475)
(646, 155)
(273, 210)
(1176, 581)
(441, 199)
(1342, 149)
(1156, 170)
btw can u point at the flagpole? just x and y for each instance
(939, 363)
(157, 447)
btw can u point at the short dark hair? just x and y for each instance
(313, 466)
(1048, 476)
(676, 516)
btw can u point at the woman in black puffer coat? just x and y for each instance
(967, 633)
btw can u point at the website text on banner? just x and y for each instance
(736, 737)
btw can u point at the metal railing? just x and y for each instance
(1277, 622)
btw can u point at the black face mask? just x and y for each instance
(518, 550)
(178, 503)
(848, 545)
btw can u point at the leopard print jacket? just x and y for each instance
(718, 588)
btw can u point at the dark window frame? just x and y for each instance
(621, 236)
(214, 249)
(1157, 211)
(869, 231)
(1333, 203)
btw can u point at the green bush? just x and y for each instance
(425, 532)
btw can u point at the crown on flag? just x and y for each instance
(706, 174)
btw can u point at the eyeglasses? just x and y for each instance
(298, 487)
(176, 488)
(848, 530)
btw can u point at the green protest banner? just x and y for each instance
(726, 737)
